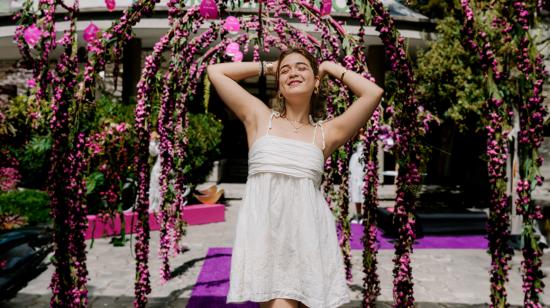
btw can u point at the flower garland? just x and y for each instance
(369, 158)
(342, 157)
(78, 223)
(514, 24)
(497, 152)
(164, 128)
(145, 88)
(67, 186)
(171, 206)
(531, 115)
(405, 117)
(371, 281)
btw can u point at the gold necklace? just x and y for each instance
(295, 128)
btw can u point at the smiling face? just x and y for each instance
(296, 76)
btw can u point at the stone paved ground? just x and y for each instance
(444, 278)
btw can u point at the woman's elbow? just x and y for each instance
(210, 69)
(379, 92)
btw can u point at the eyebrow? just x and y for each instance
(296, 63)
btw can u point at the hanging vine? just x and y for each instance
(515, 74)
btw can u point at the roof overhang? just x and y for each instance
(414, 27)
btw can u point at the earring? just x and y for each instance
(281, 97)
(316, 90)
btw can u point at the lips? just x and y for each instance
(294, 83)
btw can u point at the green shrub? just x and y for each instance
(24, 135)
(109, 110)
(30, 203)
(34, 161)
(205, 134)
(19, 126)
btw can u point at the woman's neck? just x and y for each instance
(297, 113)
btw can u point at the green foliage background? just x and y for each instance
(449, 84)
(33, 204)
(205, 132)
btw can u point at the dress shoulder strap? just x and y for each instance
(320, 124)
(273, 114)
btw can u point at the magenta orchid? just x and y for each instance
(232, 49)
(32, 35)
(232, 24)
(110, 4)
(209, 9)
(90, 33)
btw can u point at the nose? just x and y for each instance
(293, 72)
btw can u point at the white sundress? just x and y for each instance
(286, 244)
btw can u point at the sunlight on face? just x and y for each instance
(296, 76)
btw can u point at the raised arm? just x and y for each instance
(224, 77)
(340, 129)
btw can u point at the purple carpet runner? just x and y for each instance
(213, 282)
(212, 285)
(426, 242)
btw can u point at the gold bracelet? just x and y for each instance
(269, 68)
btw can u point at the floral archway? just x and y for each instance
(71, 92)
(269, 29)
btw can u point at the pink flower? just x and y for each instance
(32, 35)
(388, 142)
(90, 33)
(34, 115)
(326, 7)
(110, 4)
(208, 9)
(31, 83)
(9, 178)
(121, 127)
(238, 57)
(232, 49)
(232, 24)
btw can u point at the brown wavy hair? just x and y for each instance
(317, 104)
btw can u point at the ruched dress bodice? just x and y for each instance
(287, 156)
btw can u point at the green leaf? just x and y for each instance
(93, 180)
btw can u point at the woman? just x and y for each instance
(356, 177)
(154, 183)
(286, 251)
